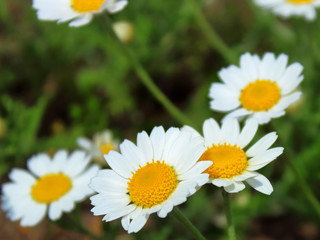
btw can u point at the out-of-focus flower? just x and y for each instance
(52, 185)
(231, 164)
(78, 12)
(259, 88)
(155, 175)
(101, 144)
(124, 31)
(287, 8)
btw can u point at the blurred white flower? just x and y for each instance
(287, 8)
(78, 12)
(52, 185)
(101, 144)
(124, 31)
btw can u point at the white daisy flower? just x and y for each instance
(101, 144)
(231, 163)
(54, 184)
(80, 12)
(259, 88)
(155, 175)
(287, 8)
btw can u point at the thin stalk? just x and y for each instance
(212, 36)
(227, 207)
(188, 224)
(145, 77)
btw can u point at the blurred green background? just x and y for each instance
(58, 83)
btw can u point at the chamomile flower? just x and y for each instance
(79, 12)
(52, 185)
(155, 175)
(231, 163)
(287, 8)
(259, 88)
(101, 144)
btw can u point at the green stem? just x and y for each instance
(227, 207)
(212, 36)
(145, 78)
(188, 224)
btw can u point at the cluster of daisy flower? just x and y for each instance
(164, 168)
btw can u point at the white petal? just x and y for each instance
(262, 145)
(157, 137)
(244, 176)
(219, 182)
(264, 158)
(119, 213)
(261, 184)
(137, 223)
(33, 215)
(165, 209)
(21, 176)
(119, 164)
(211, 132)
(77, 162)
(81, 20)
(235, 187)
(134, 155)
(144, 143)
(84, 143)
(39, 164)
(230, 131)
(197, 169)
(249, 130)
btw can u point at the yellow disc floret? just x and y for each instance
(106, 148)
(228, 161)
(260, 95)
(152, 184)
(300, 1)
(50, 187)
(83, 6)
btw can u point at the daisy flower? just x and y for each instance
(259, 88)
(50, 184)
(231, 163)
(79, 12)
(287, 8)
(101, 144)
(155, 175)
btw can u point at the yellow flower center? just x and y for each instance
(260, 95)
(83, 6)
(152, 184)
(300, 1)
(50, 187)
(228, 161)
(106, 148)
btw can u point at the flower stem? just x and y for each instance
(227, 207)
(188, 224)
(145, 77)
(212, 36)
